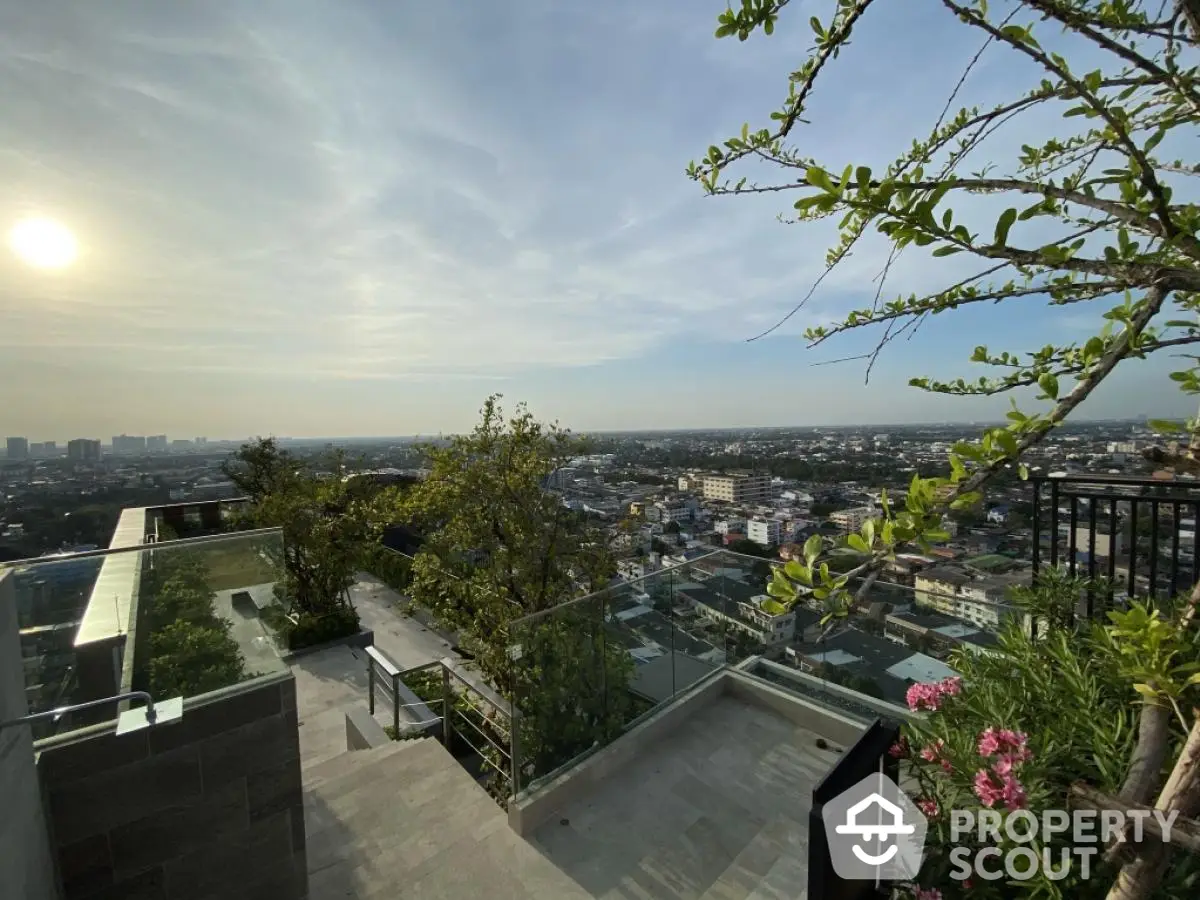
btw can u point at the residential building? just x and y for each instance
(851, 519)
(83, 450)
(737, 488)
(128, 444)
(725, 526)
(666, 512)
(17, 448)
(690, 482)
(959, 591)
(937, 632)
(763, 531)
(156, 443)
(850, 652)
(746, 615)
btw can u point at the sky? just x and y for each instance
(346, 217)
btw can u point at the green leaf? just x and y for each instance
(1003, 224)
(1048, 383)
(818, 177)
(856, 542)
(813, 547)
(947, 250)
(1146, 691)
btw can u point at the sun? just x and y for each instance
(43, 243)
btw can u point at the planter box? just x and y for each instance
(364, 638)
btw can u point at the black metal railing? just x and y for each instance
(867, 757)
(1137, 533)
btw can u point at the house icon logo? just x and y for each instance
(874, 832)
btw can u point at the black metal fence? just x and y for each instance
(1138, 533)
(868, 756)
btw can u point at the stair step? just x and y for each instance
(336, 766)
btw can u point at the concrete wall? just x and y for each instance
(26, 867)
(206, 807)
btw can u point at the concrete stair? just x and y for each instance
(406, 821)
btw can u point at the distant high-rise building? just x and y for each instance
(181, 445)
(156, 443)
(50, 448)
(18, 448)
(83, 450)
(128, 444)
(200, 441)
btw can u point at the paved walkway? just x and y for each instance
(331, 681)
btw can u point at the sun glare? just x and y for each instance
(43, 243)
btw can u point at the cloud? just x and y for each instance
(353, 190)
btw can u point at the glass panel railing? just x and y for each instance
(899, 634)
(180, 618)
(202, 614)
(584, 671)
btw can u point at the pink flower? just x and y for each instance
(929, 695)
(1003, 766)
(933, 754)
(987, 792)
(989, 742)
(1009, 745)
(928, 806)
(1013, 793)
(899, 750)
(927, 894)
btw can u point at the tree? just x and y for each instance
(328, 521)
(500, 547)
(183, 648)
(1096, 218)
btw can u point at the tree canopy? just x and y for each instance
(500, 545)
(327, 520)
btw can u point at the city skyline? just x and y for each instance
(348, 220)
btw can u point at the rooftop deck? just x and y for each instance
(718, 810)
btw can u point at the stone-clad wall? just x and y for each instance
(26, 870)
(207, 807)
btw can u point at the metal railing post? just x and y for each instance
(514, 748)
(396, 703)
(371, 686)
(447, 707)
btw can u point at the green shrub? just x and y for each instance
(188, 659)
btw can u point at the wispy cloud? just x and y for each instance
(370, 191)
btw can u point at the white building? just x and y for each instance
(725, 526)
(851, 519)
(763, 531)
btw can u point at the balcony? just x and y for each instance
(668, 737)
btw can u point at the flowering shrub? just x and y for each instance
(1013, 733)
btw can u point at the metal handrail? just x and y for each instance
(137, 548)
(55, 714)
(485, 735)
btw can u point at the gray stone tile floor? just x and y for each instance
(717, 811)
